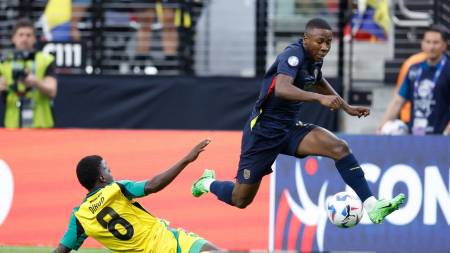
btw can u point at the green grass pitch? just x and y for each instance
(10, 249)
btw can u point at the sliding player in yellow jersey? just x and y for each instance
(111, 216)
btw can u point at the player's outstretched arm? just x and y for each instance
(285, 89)
(160, 181)
(61, 249)
(358, 111)
(324, 87)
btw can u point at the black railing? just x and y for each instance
(112, 34)
(442, 10)
(261, 37)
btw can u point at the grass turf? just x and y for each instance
(10, 249)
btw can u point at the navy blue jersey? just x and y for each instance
(294, 62)
(273, 126)
(428, 88)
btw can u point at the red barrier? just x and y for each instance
(46, 189)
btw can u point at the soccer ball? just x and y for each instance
(344, 209)
(394, 127)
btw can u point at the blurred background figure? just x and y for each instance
(145, 31)
(405, 113)
(427, 87)
(28, 81)
(160, 18)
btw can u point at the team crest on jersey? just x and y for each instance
(293, 61)
(246, 173)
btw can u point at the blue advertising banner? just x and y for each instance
(416, 166)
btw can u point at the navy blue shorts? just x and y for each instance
(261, 145)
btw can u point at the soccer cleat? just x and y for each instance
(385, 207)
(198, 188)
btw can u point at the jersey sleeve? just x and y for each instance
(50, 71)
(404, 90)
(74, 236)
(132, 189)
(289, 61)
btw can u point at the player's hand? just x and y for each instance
(331, 101)
(357, 111)
(200, 147)
(31, 80)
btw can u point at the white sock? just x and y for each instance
(207, 183)
(370, 203)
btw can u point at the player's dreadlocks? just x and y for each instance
(88, 170)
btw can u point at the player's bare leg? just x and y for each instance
(243, 194)
(144, 34)
(324, 143)
(170, 33)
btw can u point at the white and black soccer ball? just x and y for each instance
(394, 127)
(344, 209)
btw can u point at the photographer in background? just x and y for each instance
(27, 81)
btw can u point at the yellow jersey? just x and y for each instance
(112, 217)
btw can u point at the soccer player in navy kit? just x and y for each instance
(273, 128)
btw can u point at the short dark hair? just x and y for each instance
(438, 29)
(88, 171)
(317, 23)
(21, 23)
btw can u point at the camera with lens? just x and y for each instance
(19, 74)
(19, 71)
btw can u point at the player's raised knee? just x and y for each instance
(340, 149)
